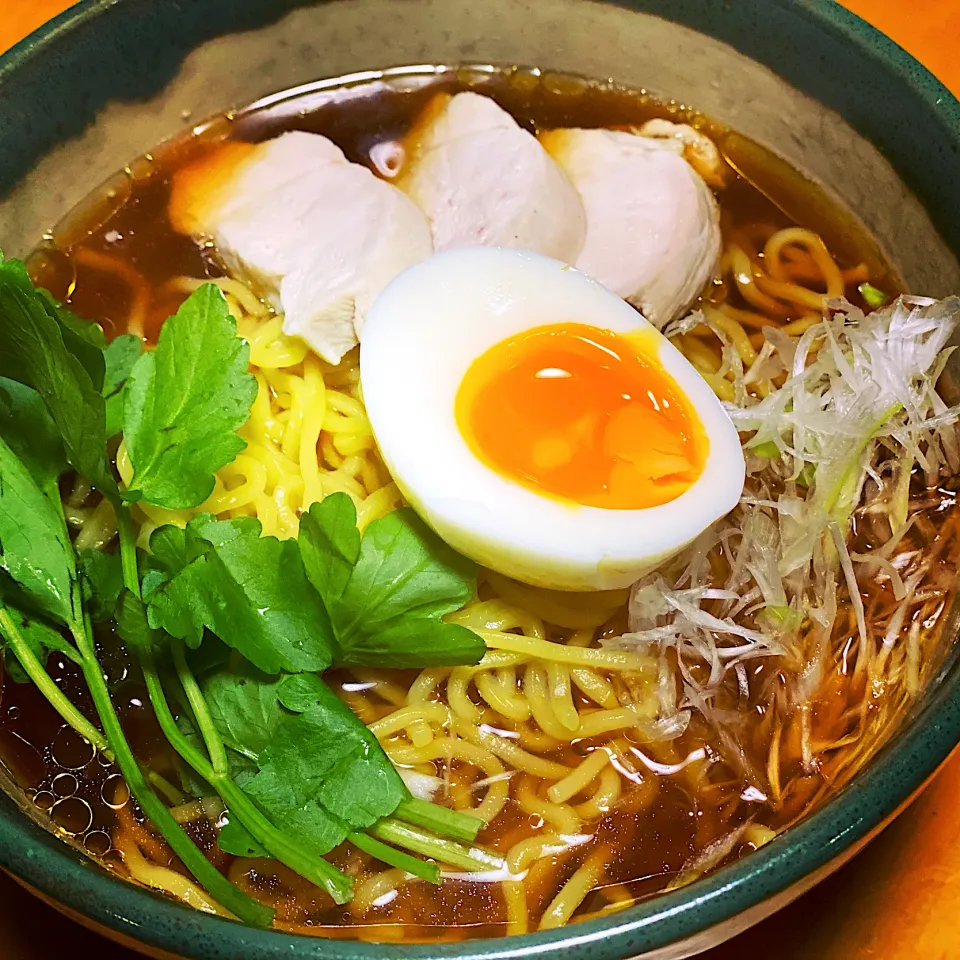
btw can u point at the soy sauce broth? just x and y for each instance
(127, 220)
(118, 253)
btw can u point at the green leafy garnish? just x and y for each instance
(873, 296)
(30, 431)
(320, 772)
(386, 593)
(330, 545)
(83, 339)
(102, 580)
(41, 639)
(249, 590)
(298, 772)
(132, 623)
(185, 401)
(245, 709)
(35, 549)
(40, 346)
(119, 359)
(38, 558)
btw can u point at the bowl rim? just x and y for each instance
(56, 870)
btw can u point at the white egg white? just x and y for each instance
(423, 333)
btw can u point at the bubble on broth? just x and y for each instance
(70, 751)
(65, 785)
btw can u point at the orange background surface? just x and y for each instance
(929, 29)
(899, 900)
(21, 16)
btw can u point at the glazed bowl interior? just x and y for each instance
(112, 78)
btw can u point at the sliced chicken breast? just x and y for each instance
(483, 181)
(317, 235)
(653, 226)
(695, 147)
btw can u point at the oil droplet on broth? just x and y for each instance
(115, 793)
(65, 785)
(73, 815)
(97, 843)
(70, 751)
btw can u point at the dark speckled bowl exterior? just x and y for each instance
(110, 78)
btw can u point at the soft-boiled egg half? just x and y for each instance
(539, 423)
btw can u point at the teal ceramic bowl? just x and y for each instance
(111, 78)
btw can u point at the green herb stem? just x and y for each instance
(128, 550)
(425, 869)
(168, 724)
(315, 869)
(198, 704)
(244, 907)
(472, 859)
(35, 670)
(443, 822)
(38, 675)
(272, 839)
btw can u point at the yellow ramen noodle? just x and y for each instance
(308, 436)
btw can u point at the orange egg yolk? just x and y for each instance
(582, 414)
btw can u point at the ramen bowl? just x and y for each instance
(110, 79)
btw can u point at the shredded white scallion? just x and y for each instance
(855, 413)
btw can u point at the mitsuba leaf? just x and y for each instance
(386, 593)
(250, 591)
(235, 840)
(320, 772)
(359, 784)
(241, 768)
(405, 570)
(119, 357)
(245, 709)
(83, 339)
(42, 640)
(185, 401)
(167, 557)
(132, 624)
(35, 549)
(28, 428)
(45, 347)
(330, 545)
(168, 546)
(102, 579)
(414, 642)
(212, 655)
